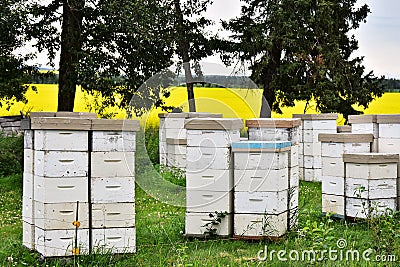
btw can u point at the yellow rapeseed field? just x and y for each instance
(232, 103)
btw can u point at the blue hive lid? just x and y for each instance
(261, 144)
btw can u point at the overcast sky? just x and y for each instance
(379, 38)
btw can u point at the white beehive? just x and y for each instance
(55, 190)
(280, 130)
(56, 164)
(59, 140)
(366, 124)
(209, 178)
(274, 202)
(266, 194)
(274, 129)
(310, 160)
(176, 153)
(333, 146)
(113, 186)
(114, 141)
(59, 243)
(114, 240)
(333, 204)
(389, 137)
(113, 190)
(260, 225)
(172, 126)
(371, 183)
(78, 168)
(112, 164)
(113, 215)
(59, 216)
(200, 224)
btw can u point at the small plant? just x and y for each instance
(11, 154)
(183, 256)
(293, 210)
(384, 224)
(385, 227)
(174, 175)
(358, 192)
(267, 228)
(321, 234)
(216, 219)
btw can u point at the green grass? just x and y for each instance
(160, 226)
(160, 241)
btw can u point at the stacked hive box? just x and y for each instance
(310, 160)
(172, 137)
(371, 184)
(333, 146)
(112, 181)
(263, 196)
(389, 136)
(48, 154)
(71, 178)
(176, 153)
(60, 185)
(389, 133)
(172, 128)
(366, 124)
(274, 130)
(281, 130)
(209, 178)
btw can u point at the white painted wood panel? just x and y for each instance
(61, 140)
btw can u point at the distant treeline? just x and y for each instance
(392, 85)
(216, 81)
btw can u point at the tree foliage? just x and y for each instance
(113, 47)
(302, 50)
(14, 71)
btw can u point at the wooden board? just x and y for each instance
(323, 116)
(273, 123)
(371, 158)
(115, 125)
(344, 129)
(389, 118)
(189, 115)
(60, 123)
(213, 124)
(353, 119)
(174, 141)
(346, 138)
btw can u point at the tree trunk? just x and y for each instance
(183, 46)
(71, 44)
(268, 75)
